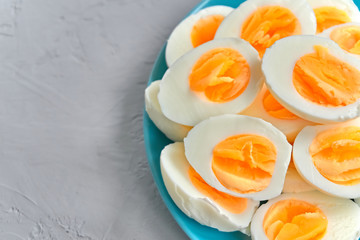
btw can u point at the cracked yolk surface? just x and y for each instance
(336, 154)
(348, 38)
(294, 219)
(323, 79)
(267, 25)
(244, 163)
(275, 109)
(222, 74)
(204, 29)
(233, 204)
(327, 17)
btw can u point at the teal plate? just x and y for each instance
(155, 141)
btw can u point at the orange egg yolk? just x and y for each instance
(327, 17)
(267, 25)
(348, 38)
(232, 204)
(323, 79)
(222, 74)
(275, 109)
(204, 29)
(294, 219)
(336, 154)
(244, 163)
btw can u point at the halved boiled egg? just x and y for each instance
(239, 155)
(308, 215)
(313, 78)
(329, 13)
(197, 199)
(262, 22)
(269, 109)
(346, 35)
(194, 30)
(172, 130)
(327, 156)
(294, 183)
(218, 77)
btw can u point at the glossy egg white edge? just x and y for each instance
(294, 183)
(343, 215)
(232, 24)
(179, 41)
(182, 105)
(289, 127)
(172, 130)
(347, 6)
(174, 170)
(280, 84)
(202, 139)
(304, 164)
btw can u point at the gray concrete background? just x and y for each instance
(72, 78)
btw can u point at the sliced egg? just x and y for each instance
(262, 22)
(329, 13)
(200, 201)
(269, 109)
(308, 215)
(327, 156)
(239, 155)
(346, 35)
(172, 130)
(313, 78)
(193, 31)
(357, 200)
(294, 183)
(218, 77)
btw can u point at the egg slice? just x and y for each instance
(194, 30)
(172, 130)
(310, 215)
(313, 78)
(220, 76)
(330, 13)
(200, 201)
(294, 183)
(262, 22)
(239, 155)
(327, 156)
(269, 109)
(346, 35)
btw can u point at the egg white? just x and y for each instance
(179, 41)
(174, 170)
(202, 139)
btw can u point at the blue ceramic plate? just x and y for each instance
(155, 141)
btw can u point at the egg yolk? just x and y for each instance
(294, 219)
(232, 204)
(244, 163)
(327, 17)
(267, 25)
(348, 38)
(275, 109)
(336, 154)
(204, 29)
(222, 74)
(323, 79)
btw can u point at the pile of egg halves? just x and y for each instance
(263, 103)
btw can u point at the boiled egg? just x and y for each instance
(346, 35)
(239, 155)
(313, 78)
(262, 22)
(330, 13)
(308, 215)
(194, 30)
(218, 77)
(172, 130)
(197, 199)
(327, 156)
(269, 109)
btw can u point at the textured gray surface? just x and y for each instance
(72, 77)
